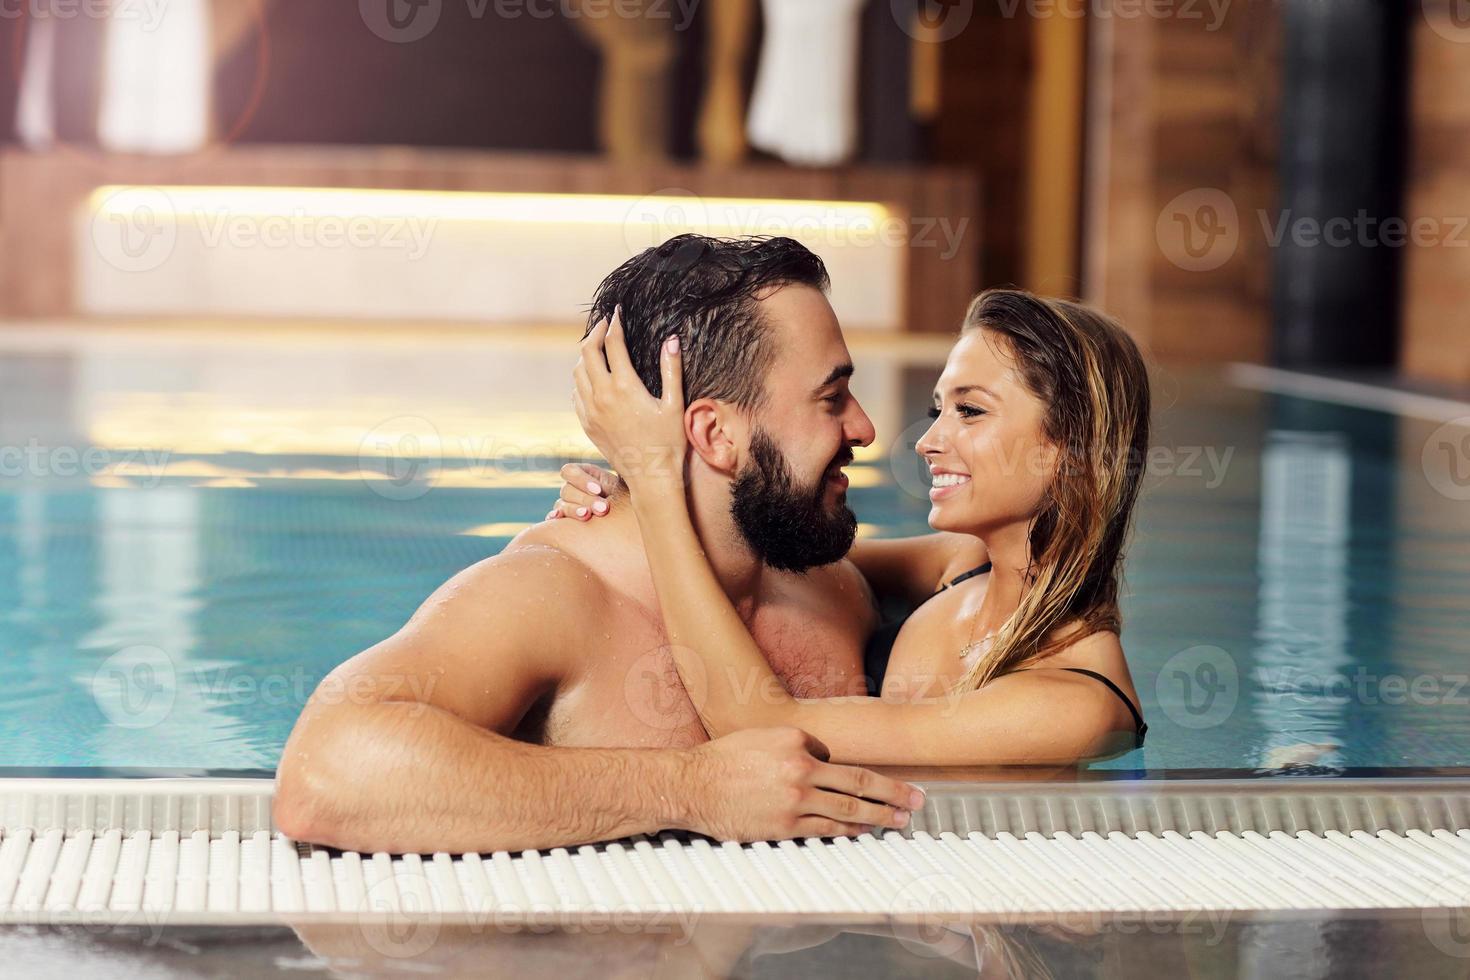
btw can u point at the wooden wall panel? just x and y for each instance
(1176, 108)
(1435, 325)
(986, 73)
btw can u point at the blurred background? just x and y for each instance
(289, 293)
(1273, 181)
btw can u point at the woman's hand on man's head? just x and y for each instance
(640, 435)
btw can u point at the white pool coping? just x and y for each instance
(203, 851)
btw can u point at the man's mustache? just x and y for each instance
(838, 462)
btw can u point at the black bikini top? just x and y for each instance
(880, 647)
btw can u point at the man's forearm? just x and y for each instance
(406, 776)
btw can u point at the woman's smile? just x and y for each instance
(946, 483)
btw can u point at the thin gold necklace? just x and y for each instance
(983, 644)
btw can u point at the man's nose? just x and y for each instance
(859, 428)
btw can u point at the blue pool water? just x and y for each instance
(1298, 593)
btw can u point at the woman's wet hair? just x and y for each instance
(705, 290)
(1091, 379)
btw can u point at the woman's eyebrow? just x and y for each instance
(966, 389)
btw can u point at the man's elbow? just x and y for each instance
(302, 808)
(308, 800)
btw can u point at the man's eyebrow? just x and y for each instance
(837, 374)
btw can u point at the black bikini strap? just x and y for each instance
(963, 576)
(1137, 718)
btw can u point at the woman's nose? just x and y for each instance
(929, 443)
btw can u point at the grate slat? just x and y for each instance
(201, 852)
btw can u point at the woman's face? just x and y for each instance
(987, 453)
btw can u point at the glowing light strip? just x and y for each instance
(745, 215)
(204, 473)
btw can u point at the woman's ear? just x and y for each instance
(709, 426)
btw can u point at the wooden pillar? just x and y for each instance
(1436, 271)
(1053, 193)
(1181, 159)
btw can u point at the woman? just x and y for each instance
(1040, 431)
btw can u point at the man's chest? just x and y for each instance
(631, 692)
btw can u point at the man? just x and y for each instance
(551, 712)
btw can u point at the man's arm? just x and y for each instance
(403, 748)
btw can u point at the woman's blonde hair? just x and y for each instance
(1091, 378)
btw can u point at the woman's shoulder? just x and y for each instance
(1082, 656)
(1076, 647)
(1077, 640)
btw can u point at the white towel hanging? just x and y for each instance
(804, 106)
(156, 81)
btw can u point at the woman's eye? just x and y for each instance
(964, 411)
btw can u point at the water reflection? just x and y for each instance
(1301, 631)
(1251, 947)
(254, 550)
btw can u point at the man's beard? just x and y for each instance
(789, 526)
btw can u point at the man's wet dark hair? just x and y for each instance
(705, 290)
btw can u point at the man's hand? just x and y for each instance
(775, 784)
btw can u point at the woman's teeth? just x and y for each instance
(949, 479)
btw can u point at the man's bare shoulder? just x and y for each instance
(537, 565)
(522, 596)
(492, 639)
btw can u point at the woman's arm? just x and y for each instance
(713, 650)
(1030, 716)
(913, 569)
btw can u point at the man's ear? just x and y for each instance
(715, 431)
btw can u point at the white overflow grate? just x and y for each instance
(204, 850)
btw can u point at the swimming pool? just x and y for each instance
(1298, 590)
